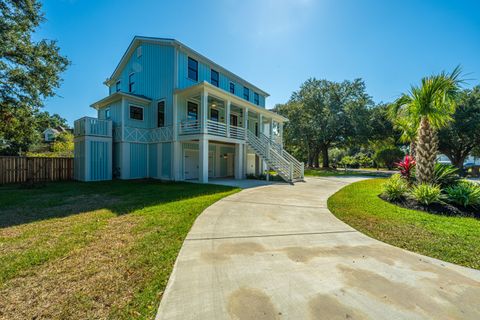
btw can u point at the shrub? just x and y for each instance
(464, 193)
(350, 162)
(426, 193)
(406, 167)
(388, 156)
(395, 188)
(445, 175)
(363, 160)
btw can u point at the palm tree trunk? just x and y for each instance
(426, 151)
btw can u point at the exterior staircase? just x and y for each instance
(286, 166)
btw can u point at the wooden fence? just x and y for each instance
(35, 169)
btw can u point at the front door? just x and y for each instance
(190, 164)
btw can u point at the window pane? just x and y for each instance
(246, 93)
(136, 113)
(233, 120)
(161, 114)
(214, 115)
(232, 87)
(192, 111)
(256, 98)
(131, 83)
(117, 86)
(192, 69)
(214, 78)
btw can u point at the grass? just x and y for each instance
(342, 172)
(98, 250)
(452, 239)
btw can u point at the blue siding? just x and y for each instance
(166, 159)
(153, 159)
(100, 160)
(204, 75)
(115, 113)
(138, 160)
(154, 78)
(79, 160)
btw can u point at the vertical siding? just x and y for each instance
(204, 75)
(166, 159)
(154, 78)
(153, 159)
(115, 113)
(79, 160)
(138, 160)
(100, 160)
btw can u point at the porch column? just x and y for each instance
(271, 129)
(280, 132)
(203, 160)
(245, 121)
(203, 111)
(227, 117)
(260, 123)
(238, 161)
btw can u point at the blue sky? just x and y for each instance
(275, 44)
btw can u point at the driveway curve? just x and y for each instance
(276, 252)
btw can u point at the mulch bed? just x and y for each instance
(445, 209)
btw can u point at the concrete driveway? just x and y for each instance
(276, 252)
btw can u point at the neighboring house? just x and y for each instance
(50, 134)
(173, 114)
(469, 161)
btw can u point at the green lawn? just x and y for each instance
(452, 239)
(342, 172)
(93, 250)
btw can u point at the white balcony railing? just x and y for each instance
(216, 128)
(237, 133)
(88, 126)
(189, 127)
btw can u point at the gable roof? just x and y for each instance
(137, 40)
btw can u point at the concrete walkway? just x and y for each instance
(276, 252)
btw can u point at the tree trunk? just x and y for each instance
(427, 145)
(325, 160)
(315, 159)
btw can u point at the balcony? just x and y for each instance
(88, 126)
(214, 128)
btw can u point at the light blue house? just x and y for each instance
(173, 114)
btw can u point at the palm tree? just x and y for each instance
(431, 106)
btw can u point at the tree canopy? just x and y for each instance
(325, 114)
(459, 138)
(29, 72)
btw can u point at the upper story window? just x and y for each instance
(161, 114)
(139, 51)
(192, 69)
(232, 87)
(136, 113)
(107, 113)
(246, 93)
(256, 98)
(131, 82)
(214, 77)
(117, 86)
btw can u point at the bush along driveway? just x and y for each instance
(277, 252)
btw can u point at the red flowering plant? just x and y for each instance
(406, 167)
